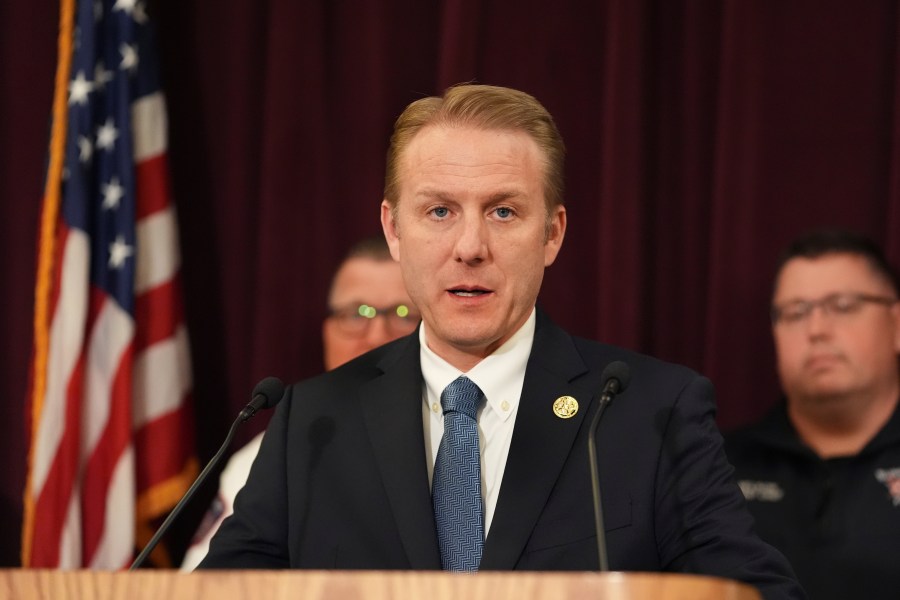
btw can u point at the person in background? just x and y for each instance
(463, 446)
(368, 306)
(821, 473)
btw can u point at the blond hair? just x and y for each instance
(485, 107)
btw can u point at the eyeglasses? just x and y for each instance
(355, 320)
(834, 305)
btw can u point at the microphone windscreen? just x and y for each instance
(617, 370)
(270, 388)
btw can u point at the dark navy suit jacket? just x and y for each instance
(341, 482)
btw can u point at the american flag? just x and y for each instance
(111, 429)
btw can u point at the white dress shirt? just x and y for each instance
(500, 376)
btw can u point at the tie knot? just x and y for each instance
(462, 395)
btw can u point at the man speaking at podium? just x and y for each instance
(463, 446)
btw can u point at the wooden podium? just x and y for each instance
(37, 584)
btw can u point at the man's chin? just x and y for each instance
(472, 340)
(830, 393)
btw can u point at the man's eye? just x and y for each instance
(794, 313)
(440, 212)
(504, 212)
(844, 304)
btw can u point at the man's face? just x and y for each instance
(471, 234)
(831, 354)
(374, 283)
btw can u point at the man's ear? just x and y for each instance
(389, 226)
(895, 313)
(556, 231)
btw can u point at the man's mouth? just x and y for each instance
(823, 359)
(468, 293)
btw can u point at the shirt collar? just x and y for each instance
(500, 375)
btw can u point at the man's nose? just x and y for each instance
(819, 322)
(471, 243)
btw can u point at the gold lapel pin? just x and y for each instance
(565, 407)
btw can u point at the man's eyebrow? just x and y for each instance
(433, 193)
(444, 196)
(501, 196)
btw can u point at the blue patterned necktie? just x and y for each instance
(456, 486)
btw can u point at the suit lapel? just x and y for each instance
(540, 445)
(392, 409)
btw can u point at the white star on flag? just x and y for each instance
(119, 251)
(125, 5)
(85, 149)
(79, 88)
(129, 57)
(140, 13)
(112, 193)
(107, 134)
(101, 75)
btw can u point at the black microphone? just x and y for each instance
(615, 378)
(266, 394)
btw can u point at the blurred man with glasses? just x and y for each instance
(367, 306)
(821, 473)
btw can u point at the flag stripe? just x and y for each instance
(156, 239)
(158, 386)
(69, 550)
(152, 186)
(157, 313)
(53, 503)
(155, 476)
(64, 352)
(109, 341)
(108, 449)
(113, 548)
(151, 127)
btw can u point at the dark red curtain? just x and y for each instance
(702, 136)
